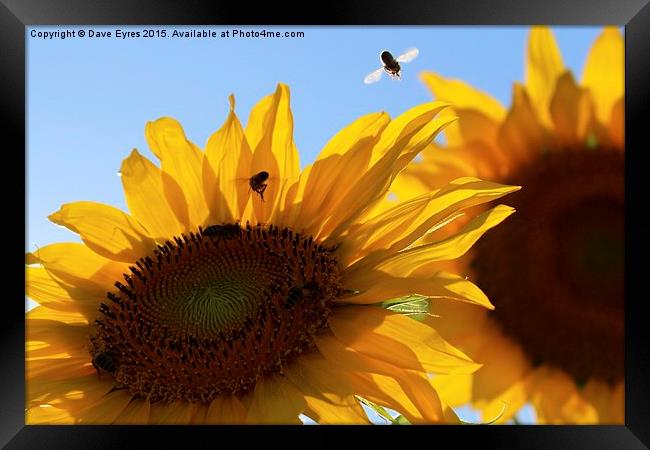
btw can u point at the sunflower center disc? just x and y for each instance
(213, 312)
(555, 269)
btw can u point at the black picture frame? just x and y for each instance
(16, 15)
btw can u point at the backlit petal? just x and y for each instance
(603, 72)
(226, 409)
(543, 67)
(105, 230)
(182, 160)
(398, 340)
(229, 157)
(146, 189)
(276, 401)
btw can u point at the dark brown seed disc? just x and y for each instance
(212, 312)
(555, 269)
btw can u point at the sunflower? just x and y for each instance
(240, 289)
(555, 272)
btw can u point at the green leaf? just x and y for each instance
(415, 306)
(401, 420)
(379, 410)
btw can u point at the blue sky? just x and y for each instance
(88, 99)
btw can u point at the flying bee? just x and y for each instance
(391, 65)
(297, 293)
(104, 361)
(223, 232)
(257, 183)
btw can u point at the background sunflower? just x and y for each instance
(555, 272)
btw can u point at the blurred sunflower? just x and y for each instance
(210, 304)
(555, 272)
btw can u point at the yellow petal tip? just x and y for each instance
(31, 258)
(56, 216)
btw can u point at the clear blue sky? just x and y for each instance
(88, 99)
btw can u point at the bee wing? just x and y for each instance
(408, 56)
(373, 76)
(247, 180)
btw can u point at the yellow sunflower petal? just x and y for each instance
(543, 67)
(377, 286)
(385, 391)
(414, 389)
(198, 418)
(61, 297)
(293, 200)
(454, 389)
(59, 368)
(404, 137)
(617, 125)
(329, 396)
(175, 413)
(265, 161)
(226, 409)
(407, 261)
(153, 197)
(617, 408)
(77, 265)
(105, 230)
(68, 317)
(488, 161)
(276, 401)
(136, 413)
(504, 364)
(557, 400)
(338, 167)
(341, 354)
(570, 110)
(607, 400)
(61, 338)
(476, 126)
(366, 127)
(382, 382)
(410, 393)
(219, 209)
(398, 340)
(71, 394)
(506, 405)
(106, 410)
(419, 389)
(401, 225)
(271, 124)
(229, 156)
(450, 319)
(603, 72)
(182, 160)
(439, 167)
(463, 96)
(270, 134)
(410, 132)
(521, 134)
(48, 415)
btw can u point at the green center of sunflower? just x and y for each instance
(211, 313)
(555, 270)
